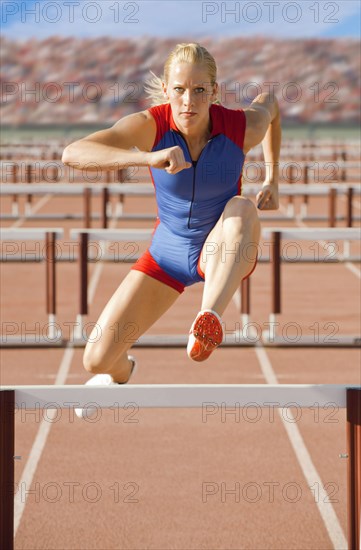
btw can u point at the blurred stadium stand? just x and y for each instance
(62, 81)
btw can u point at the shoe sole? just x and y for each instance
(208, 335)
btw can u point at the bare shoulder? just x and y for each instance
(258, 118)
(138, 130)
(134, 130)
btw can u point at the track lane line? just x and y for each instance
(45, 425)
(304, 459)
(39, 443)
(325, 508)
(302, 454)
(37, 207)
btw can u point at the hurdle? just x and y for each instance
(133, 236)
(289, 190)
(49, 235)
(197, 396)
(78, 190)
(276, 235)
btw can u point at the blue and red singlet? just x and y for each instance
(191, 201)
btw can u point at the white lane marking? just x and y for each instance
(38, 445)
(310, 473)
(37, 207)
(353, 269)
(94, 281)
(46, 423)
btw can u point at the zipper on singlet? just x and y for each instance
(194, 174)
(194, 189)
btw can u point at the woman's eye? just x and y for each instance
(180, 90)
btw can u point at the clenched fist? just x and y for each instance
(171, 160)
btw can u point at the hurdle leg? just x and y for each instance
(354, 467)
(29, 198)
(349, 215)
(87, 207)
(332, 207)
(105, 214)
(51, 285)
(304, 204)
(290, 205)
(119, 208)
(276, 284)
(7, 445)
(105, 200)
(83, 283)
(15, 198)
(245, 301)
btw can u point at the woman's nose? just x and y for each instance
(187, 98)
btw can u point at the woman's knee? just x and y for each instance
(95, 358)
(242, 212)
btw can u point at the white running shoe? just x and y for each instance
(91, 412)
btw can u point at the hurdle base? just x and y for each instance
(321, 341)
(320, 218)
(234, 340)
(31, 341)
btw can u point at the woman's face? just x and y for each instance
(190, 95)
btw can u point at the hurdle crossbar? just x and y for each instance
(180, 396)
(146, 189)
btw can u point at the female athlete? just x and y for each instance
(206, 231)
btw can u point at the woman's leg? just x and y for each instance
(228, 256)
(229, 253)
(135, 306)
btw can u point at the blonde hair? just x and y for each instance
(182, 53)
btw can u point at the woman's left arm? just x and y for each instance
(264, 126)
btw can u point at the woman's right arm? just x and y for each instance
(110, 149)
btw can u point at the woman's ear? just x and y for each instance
(215, 91)
(164, 88)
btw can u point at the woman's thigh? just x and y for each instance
(237, 211)
(135, 306)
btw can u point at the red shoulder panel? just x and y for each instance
(230, 122)
(162, 116)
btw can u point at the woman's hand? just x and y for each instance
(267, 198)
(171, 160)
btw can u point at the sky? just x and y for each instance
(188, 18)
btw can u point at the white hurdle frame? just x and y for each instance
(179, 396)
